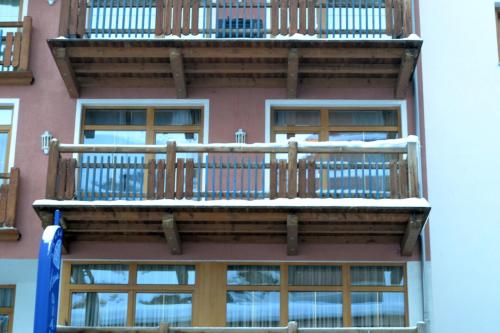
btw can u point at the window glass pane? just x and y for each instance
(9, 10)
(114, 137)
(362, 136)
(4, 148)
(172, 308)
(5, 116)
(99, 309)
(363, 118)
(253, 309)
(115, 117)
(315, 309)
(99, 274)
(377, 276)
(253, 275)
(177, 117)
(166, 274)
(377, 309)
(6, 297)
(296, 118)
(314, 276)
(4, 323)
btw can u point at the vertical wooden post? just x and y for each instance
(82, 19)
(159, 18)
(407, 19)
(413, 169)
(25, 44)
(292, 169)
(50, 189)
(64, 18)
(273, 180)
(12, 197)
(171, 158)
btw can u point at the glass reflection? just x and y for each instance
(253, 309)
(253, 275)
(4, 323)
(99, 309)
(377, 276)
(315, 309)
(166, 274)
(153, 308)
(99, 274)
(314, 276)
(377, 309)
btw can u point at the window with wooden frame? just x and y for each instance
(7, 296)
(497, 19)
(134, 294)
(5, 130)
(133, 126)
(11, 10)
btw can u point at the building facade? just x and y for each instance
(216, 163)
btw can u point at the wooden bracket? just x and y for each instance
(171, 234)
(411, 234)
(292, 80)
(177, 66)
(292, 234)
(405, 72)
(68, 75)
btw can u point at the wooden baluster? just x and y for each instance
(282, 179)
(394, 180)
(179, 192)
(168, 17)
(70, 180)
(12, 195)
(292, 169)
(160, 179)
(403, 179)
(284, 17)
(195, 18)
(16, 54)
(274, 17)
(61, 176)
(389, 17)
(273, 178)
(407, 18)
(302, 178)
(413, 186)
(150, 191)
(186, 15)
(52, 170)
(82, 18)
(4, 193)
(293, 17)
(25, 44)
(64, 18)
(302, 16)
(7, 53)
(189, 178)
(398, 19)
(176, 30)
(171, 159)
(312, 20)
(311, 179)
(159, 18)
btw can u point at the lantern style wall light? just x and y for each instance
(240, 136)
(45, 141)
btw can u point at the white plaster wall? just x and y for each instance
(22, 274)
(462, 117)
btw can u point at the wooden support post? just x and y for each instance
(411, 234)
(292, 234)
(171, 159)
(292, 80)
(67, 73)
(292, 169)
(405, 72)
(51, 186)
(171, 234)
(177, 66)
(413, 188)
(25, 44)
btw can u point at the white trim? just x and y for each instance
(332, 103)
(14, 104)
(80, 103)
(25, 8)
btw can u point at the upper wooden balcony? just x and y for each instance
(351, 192)
(8, 204)
(15, 39)
(235, 43)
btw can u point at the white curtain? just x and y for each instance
(376, 276)
(99, 309)
(253, 308)
(151, 309)
(315, 309)
(377, 309)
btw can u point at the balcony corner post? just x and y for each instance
(25, 44)
(54, 156)
(412, 157)
(171, 159)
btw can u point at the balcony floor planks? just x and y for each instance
(238, 63)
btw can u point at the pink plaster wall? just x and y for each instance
(46, 106)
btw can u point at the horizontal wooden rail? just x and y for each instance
(376, 170)
(16, 40)
(291, 328)
(236, 19)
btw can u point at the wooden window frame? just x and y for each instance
(9, 311)
(217, 274)
(7, 129)
(324, 129)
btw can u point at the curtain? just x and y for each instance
(151, 309)
(377, 309)
(314, 276)
(253, 308)
(296, 117)
(99, 274)
(99, 309)
(376, 276)
(315, 309)
(253, 275)
(166, 274)
(6, 297)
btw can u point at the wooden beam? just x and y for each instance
(293, 73)
(411, 235)
(408, 62)
(68, 75)
(177, 67)
(292, 234)
(171, 234)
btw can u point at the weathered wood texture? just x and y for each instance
(9, 189)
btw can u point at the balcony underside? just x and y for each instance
(282, 63)
(287, 221)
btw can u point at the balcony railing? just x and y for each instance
(15, 50)
(331, 19)
(373, 170)
(8, 204)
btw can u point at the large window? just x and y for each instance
(250, 295)
(7, 294)
(5, 129)
(131, 126)
(10, 10)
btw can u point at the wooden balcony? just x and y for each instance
(291, 328)
(230, 43)
(15, 40)
(8, 205)
(350, 192)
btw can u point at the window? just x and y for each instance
(7, 294)
(131, 294)
(497, 19)
(237, 295)
(131, 126)
(11, 10)
(5, 129)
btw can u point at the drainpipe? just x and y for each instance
(426, 310)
